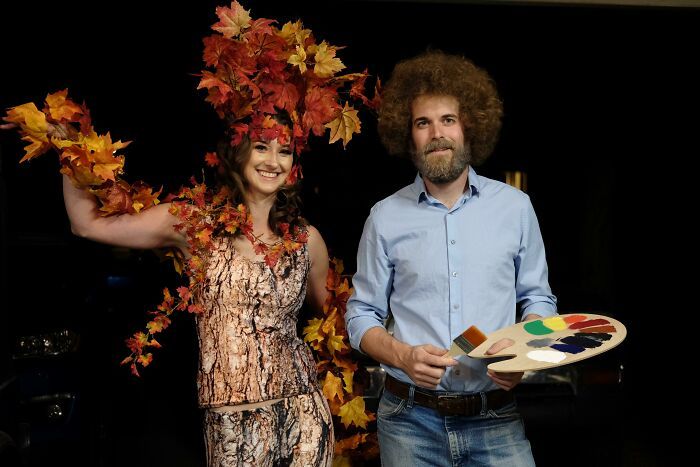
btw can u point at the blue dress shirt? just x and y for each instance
(439, 270)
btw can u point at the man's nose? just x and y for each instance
(436, 132)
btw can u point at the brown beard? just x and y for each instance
(442, 170)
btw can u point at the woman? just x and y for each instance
(274, 87)
(257, 380)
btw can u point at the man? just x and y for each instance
(451, 250)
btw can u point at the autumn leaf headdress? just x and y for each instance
(257, 71)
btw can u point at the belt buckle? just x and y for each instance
(446, 404)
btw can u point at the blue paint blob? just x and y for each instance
(581, 341)
(568, 348)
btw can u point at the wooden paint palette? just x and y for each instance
(555, 341)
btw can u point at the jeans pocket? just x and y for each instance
(390, 405)
(508, 410)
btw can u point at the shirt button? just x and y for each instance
(454, 274)
(453, 242)
(455, 306)
(457, 372)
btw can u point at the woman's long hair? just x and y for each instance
(287, 205)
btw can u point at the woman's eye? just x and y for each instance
(260, 147)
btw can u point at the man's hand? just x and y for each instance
(505, 381)
(425, 364)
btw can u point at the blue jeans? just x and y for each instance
(411, 435)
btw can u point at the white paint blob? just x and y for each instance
(550, 356)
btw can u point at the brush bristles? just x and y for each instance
(470, 339)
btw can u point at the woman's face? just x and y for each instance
(268, 166)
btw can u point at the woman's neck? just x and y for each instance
(259, 208)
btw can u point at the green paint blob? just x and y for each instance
(537, 328)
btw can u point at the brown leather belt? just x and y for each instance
(467, 405)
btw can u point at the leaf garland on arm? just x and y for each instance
(88, 159)
(327, 336)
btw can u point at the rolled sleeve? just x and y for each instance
(532, 286)
(368, 306)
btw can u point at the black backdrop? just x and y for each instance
(595, 106)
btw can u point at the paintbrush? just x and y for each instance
(466, 342)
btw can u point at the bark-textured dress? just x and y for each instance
(249, 353)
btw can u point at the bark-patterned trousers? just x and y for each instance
(296, 431)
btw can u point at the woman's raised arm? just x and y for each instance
(151, 228)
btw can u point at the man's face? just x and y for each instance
(439, 150)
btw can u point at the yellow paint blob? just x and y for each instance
(555, 323)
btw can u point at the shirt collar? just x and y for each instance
(421, 192)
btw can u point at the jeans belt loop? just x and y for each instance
(484, 403)
(411, 395)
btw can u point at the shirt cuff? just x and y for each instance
(545, 310)
(357, 329)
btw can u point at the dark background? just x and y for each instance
(599, 111)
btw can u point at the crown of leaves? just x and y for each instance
(257, 71)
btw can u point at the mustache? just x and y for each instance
(438, 144)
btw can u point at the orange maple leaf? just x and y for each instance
(344, 125)
(350, 443)
(233, 20)
(146, 359)
(211, 159)
(61, 108)
(204, 235)
(158, 323)
(320, 107)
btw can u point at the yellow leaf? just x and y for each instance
(345, 124)
(326, 63)
(330, 322)
(332, 387)
(353, 412)
(29, 118)
(312, 335)
(347, 379)
(298, 59)
(341, 461)
(294, 32)
(335, 343)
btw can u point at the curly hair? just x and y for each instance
(437, 73)
(287, 205)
